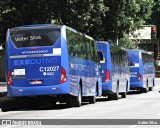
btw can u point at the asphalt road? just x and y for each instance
(135, 106)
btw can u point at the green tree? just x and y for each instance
(126, 43)
(101, 19)
(22, 12)
(155, 16)
(83, 15)
(124, 15)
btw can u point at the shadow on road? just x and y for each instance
(30, 105)
(134, 93)
(52, 107)
(21, 105)
(106, 99)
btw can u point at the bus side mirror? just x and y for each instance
(100, 55)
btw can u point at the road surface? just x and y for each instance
(135, 106)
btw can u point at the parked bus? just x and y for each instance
(114, 69)
(52, 60)
(142, 70)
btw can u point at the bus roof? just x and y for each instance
(102, 42)
(71, 29)
(50, 25)
(139, 50)
(35, 26)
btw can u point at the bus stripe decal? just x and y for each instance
(33, 55)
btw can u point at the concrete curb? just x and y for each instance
(3, 83)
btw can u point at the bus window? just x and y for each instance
(100, 55)
(35, 37)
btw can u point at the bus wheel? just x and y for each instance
(5, 109)
(123, 95)
(116, 95)
(150, 88)
(78, 99)
(92, 99)
(110, 97)
(143, 90)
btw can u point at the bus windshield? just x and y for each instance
(34, 37)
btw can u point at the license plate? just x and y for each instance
(36, 82)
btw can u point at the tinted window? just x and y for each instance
(119, 56)
(80, 46)
(147, 58)
(34, 37)
(115, 55)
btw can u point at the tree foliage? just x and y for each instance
(101, 19)
(125, 15)
(155, 16)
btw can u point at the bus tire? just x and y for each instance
(123, 95)
(150, 88)
(78, 99)
(110, 97)
(116, 95)
(92, 99)
(143, 90)
(6, 109)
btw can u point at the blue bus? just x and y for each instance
(52, 60)
(114, 69)
(142, 70)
